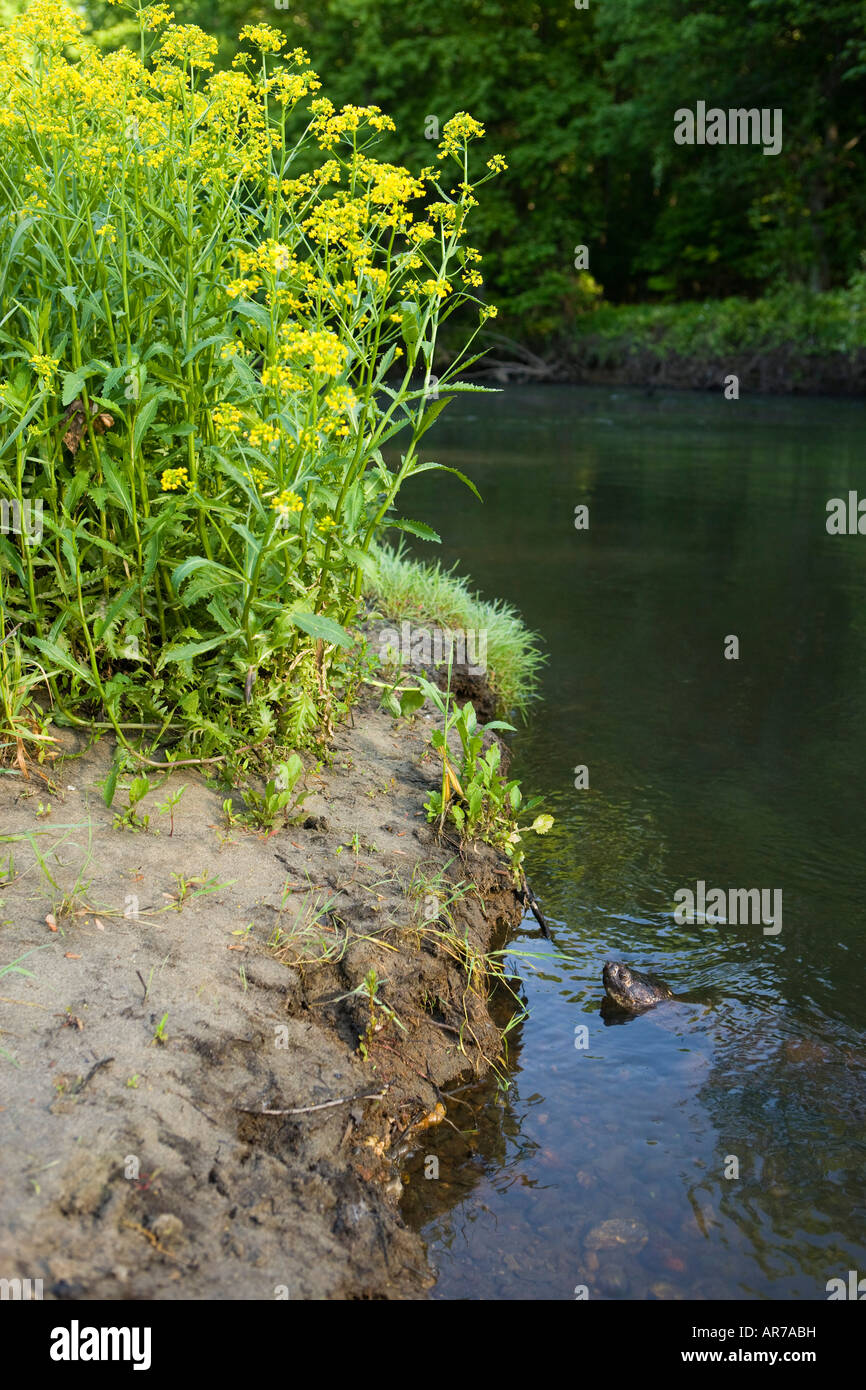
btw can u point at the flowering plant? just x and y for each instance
(218, 308)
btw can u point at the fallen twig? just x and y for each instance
(306, 1109)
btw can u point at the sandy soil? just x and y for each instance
(138, 1055)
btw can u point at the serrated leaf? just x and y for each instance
(73, 385)
(143, 420)
(322, 628)
(417, 528)
(185, 651)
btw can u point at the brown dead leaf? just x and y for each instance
(19, 758)
(71, 956)
(98, 924)
(50, 922)
(75, 416)
(236, 947)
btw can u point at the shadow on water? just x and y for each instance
(714, 1147)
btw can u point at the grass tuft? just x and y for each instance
(407, 588)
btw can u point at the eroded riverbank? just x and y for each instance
(200, 978)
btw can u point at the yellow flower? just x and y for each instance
(45, 367)
(286, 503)
(456, 133)
(327, 523)
(187, 43)
(174, 478)
(263, 36)
(227, 417)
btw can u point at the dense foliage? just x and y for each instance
(582, 103)
(218, 307)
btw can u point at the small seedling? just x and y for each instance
(128, 818)
(189, 888)
(167, 807)
(264, 808)
(159, 1035)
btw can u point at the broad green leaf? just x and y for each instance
(143, 420)
(186, 650)
(324, 629)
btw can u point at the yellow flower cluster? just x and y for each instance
(318, 351)
(262, 36)
(227, 417)
(286, 503)
(187, 44)
(330, 126)
(263, 434)
(174, 478)
(44, 367)
(456, 133)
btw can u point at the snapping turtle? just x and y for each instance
(631, 991)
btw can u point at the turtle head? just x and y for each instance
(618, 982)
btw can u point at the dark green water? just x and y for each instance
(707, 518)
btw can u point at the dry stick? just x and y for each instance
(306, 1109)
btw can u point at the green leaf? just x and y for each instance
(417, 528)
(73, 385)
(430, 415)
(208, 342)
(110, 786)
(426, 467)
(410, 702)
(324, 629)
(63, 659)
(143, 420)
(186, 650)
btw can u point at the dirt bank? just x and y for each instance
(200, 978)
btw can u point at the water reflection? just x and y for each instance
(715, 1146)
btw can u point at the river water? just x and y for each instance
(723, 1133)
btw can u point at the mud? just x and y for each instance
(197, 980)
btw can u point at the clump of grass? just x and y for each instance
(405, 588)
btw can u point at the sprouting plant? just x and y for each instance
(132, 1081)
(198, 887)
(433, 895)
(128, 817)
(279, 797)
(167, 807)
(159, 1035)
(43, 808)
(65, 889)
(15, 967)
(369, 988)
(476, 798)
